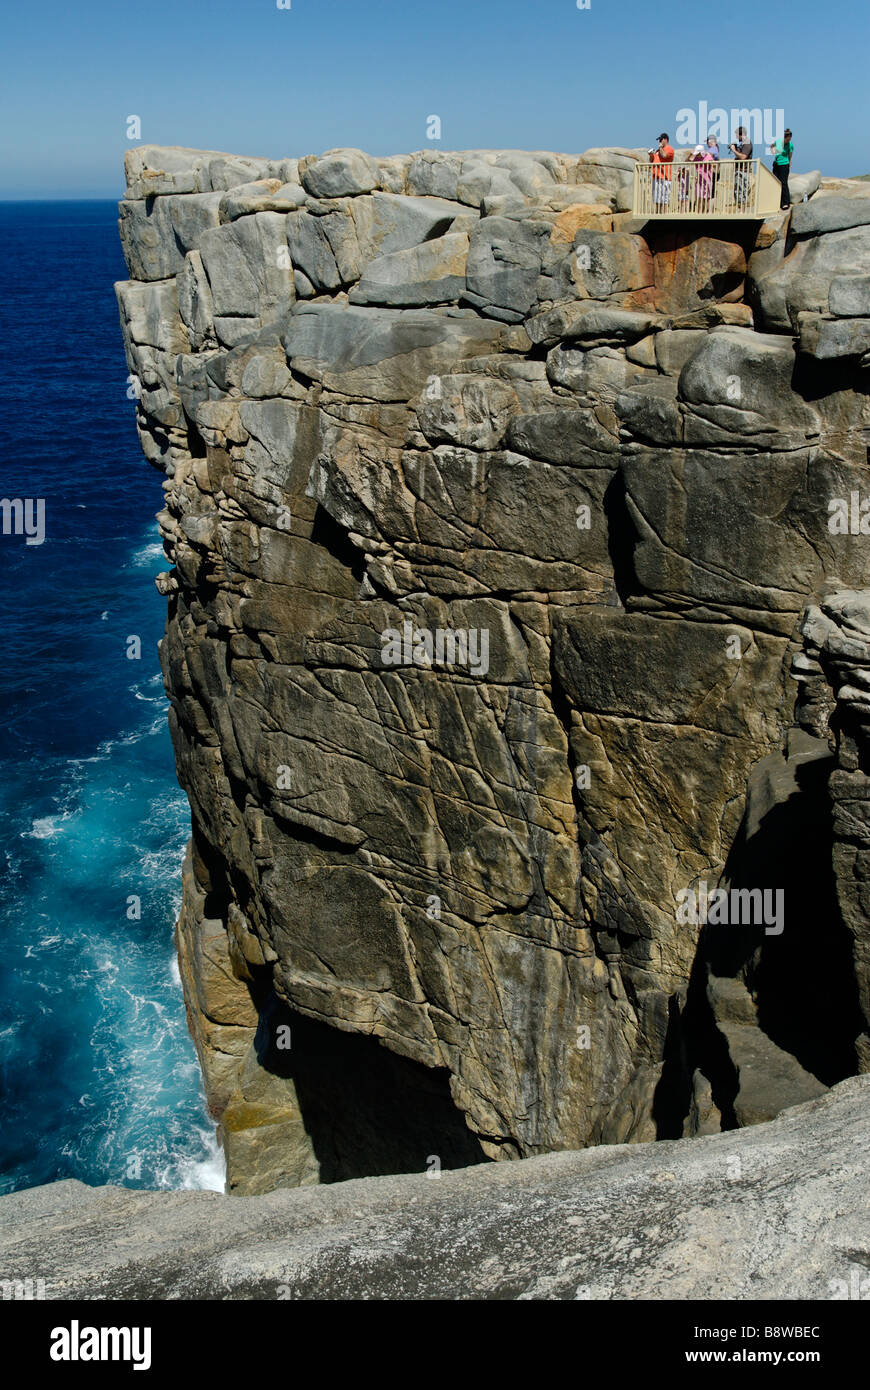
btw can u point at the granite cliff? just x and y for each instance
(515, 605)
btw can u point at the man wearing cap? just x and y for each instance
(660, 158)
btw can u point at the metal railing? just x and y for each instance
(727, 188)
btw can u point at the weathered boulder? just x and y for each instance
(504, 265)
(801, 281)
(385, 222)
(249, 273)
(825, 338)
(582, 213)
(262, 195)
(338, 174)
(803, 186)
(772, 509)
(830, 213)
(592, 321)
(311, 252)
(691, 270)
(738, 383)
(433, 273)
(152, 170)
(339, 345)
(157, 233)
(849, 296)
(195, 302)
(612, 266)
(612, 170)
(469, 410)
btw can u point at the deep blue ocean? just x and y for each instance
(98, 1075)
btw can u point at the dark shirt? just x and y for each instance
(744, 147)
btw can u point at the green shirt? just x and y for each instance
(784, 151)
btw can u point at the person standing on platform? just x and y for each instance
(742, 151)
(782, 151)
(663, 156)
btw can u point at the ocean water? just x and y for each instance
(98, 1075)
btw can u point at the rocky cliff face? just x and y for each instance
(495, 521)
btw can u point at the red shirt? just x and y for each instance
(665, 156)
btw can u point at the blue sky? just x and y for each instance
(246, 76)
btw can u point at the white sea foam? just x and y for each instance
(145, 557)
(42, 944)
(207, 1173)
(46, 827)
(210, 1174)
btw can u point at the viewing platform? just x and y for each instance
(730, 188)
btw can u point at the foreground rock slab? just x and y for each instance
(776, 1211)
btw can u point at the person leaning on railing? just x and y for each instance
(660, 158)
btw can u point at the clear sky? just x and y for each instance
(248, 77)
